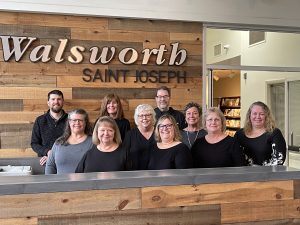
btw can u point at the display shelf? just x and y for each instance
(231, 108)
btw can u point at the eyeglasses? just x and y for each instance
(166, 126)
(145, 115)
(163, 97)
(216, 120)
(76, 120)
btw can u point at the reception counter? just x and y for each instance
(247, 195)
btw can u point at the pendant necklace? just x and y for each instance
(188, 137)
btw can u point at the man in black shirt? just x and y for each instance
(49, 126)
(163, 101)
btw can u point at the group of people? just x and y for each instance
(163, 138)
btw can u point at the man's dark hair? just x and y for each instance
(55, 92)
(165, 88)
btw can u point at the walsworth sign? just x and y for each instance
(11, 46)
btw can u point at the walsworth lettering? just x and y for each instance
(11, 46)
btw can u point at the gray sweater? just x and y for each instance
(65, 158)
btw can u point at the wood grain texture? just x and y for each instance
(31, 92)
(154, 25)
(194, 215)
(18, 117)
(260, 211)
(20, 221)
(34, 205)
(166, 196)
(27, 81)
(11, 104)
(297, 189)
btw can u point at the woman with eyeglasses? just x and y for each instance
(169, 152)
(216, 149)
(139, 140)
(111, 106)
(68, 150)
(107, 153)
(262, 143)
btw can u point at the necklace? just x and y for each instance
(188, 137)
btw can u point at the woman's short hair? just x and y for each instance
(144, 108)
(269, 121)
(106, 100)
(191, 105)
(106, 119)
(177, 135)
(219, 114)
(67, 132)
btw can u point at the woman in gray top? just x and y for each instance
(68, 150)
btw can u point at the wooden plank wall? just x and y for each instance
(260, 203)
(24, 85)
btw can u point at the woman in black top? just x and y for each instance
(193, 131)
(169, 152)
(216, 149)
(139, 140)
(106, 154)
(112, 106)
(262, 143)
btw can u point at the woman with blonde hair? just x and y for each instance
(262, 143)
(216, 149)
(169, 152)
(111, 106)
(107, 153)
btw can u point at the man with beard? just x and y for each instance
(49, 126)
(163, 101)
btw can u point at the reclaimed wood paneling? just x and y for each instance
(194, 215)
(154, 25)
(24, 85)
(167, 196)
(297, 189)
(86, 93)
(30, 92)
(27, 81)
(11, 104)
(35, 31)
(32, 205)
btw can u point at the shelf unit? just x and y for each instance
(231, 107)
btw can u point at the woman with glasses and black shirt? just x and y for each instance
(216, 149)
(138, 140)
(169, 152)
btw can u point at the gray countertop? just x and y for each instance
(127, 179)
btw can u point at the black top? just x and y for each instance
(188, 138)
(267, 149)
(179, 117)
(124, 126)
(45, 132)
(95, 160)
(224, 153)
(138, 149)
(176, 157)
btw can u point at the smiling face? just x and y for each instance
(77, 123)
(213, 123)
(166, 130)
(162, 100)
(145, 119)
(55, 103)
(106, 133)
(192, 116)
(112, 108)
(257, 117)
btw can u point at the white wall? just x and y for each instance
(258, 12)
